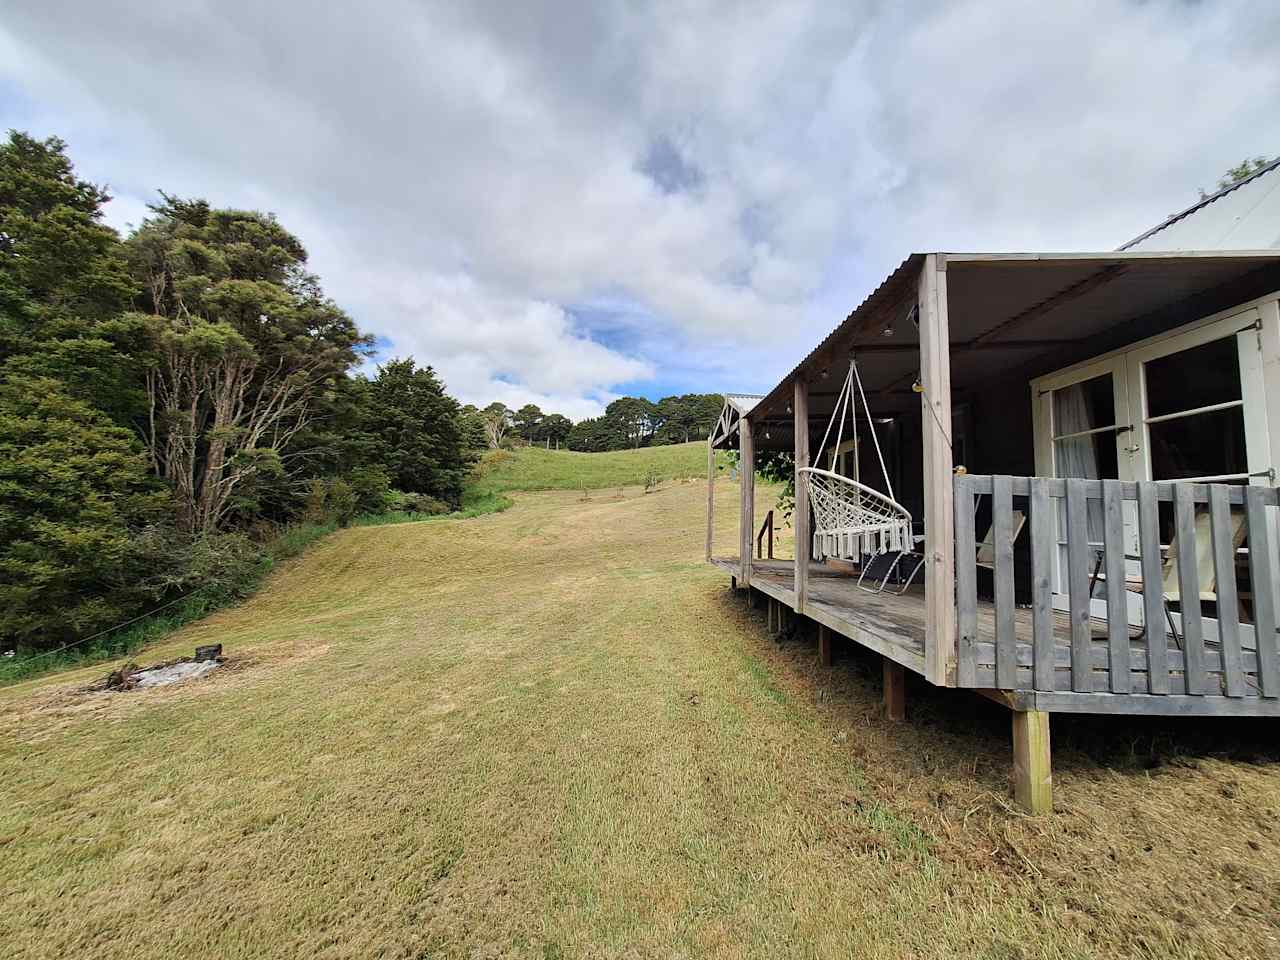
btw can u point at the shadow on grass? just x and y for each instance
(977, 731)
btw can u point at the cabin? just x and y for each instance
(1080, 454)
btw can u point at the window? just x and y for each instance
(1195, 413)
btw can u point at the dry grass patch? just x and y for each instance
(554, 733)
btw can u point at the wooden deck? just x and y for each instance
(894, 626)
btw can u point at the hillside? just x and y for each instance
(535, 468)
(554, 732)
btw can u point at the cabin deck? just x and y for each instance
(894, 626)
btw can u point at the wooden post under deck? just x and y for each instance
(939, 518)
(747, 485)
(1032, 771)
(800, 512)
(824, 645)
(711, 492)
(895, 690)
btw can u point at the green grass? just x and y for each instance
(555, 732)
(535, 468)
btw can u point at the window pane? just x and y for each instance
(1084, 405)
(1199, 377)
(1201, 445)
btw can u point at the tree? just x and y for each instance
(471, 426)
(64, 282)
(556, 428)
(497, 421)
(1244, 169)
(75, 493)
(242, 341)
(634, 416)
(527, 421)
(415, 425)
(596, 434)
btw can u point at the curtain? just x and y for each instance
(1078, 457)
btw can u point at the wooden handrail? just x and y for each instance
(767, 526)
(1010, 650)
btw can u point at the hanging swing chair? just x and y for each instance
(852, 521)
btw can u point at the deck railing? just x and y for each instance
(1053, 647)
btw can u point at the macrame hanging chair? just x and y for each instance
(850, 519)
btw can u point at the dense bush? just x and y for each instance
(171, 403)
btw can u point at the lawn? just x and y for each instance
(536, 468)
(554, 732)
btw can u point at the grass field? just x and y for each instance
(535, 468)
(554, 732)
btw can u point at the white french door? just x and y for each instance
(1186, 406)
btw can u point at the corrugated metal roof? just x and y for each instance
(1011, 310)
(1242, 216)
(743, 402)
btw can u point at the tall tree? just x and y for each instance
(527, 420)
(64, 282)
(634, 415)
(471, 423)
(242, 341)
(418, 437)
(497, 423)
(75, 492)
(556, 427)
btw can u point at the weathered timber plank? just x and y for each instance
(895, 690)
(1078, 584)
(1093, 489)
(711, 495)
(1224, 566)
(1043, 523)
(1261, 578)
(1184, 516)
(1117, 613)
(1171, 705)
(800, 511)
(1002, 541)
(966, 581)
(1152, 567)
(939, 513)
(1100, 658)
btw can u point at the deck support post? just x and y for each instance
(1032, 774)
(747, 486)
(824, 645)
(711, 492)
(895, 690)
(800, 512)
(939, 518)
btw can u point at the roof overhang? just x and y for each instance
(1014, 315)
(736, 406)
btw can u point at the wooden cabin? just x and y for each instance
(1086, 446)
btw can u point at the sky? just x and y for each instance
(565, 202)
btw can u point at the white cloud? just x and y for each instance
(466, 175)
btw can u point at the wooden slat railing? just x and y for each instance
(766, 530)
(1083, 650)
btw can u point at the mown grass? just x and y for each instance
(554, 732)
(535, 468)
(291, 542)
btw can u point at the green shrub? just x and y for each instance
(315, 507)
(370, 486)
(343, 503)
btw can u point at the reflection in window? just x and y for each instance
(1190, 379)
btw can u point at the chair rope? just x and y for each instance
(851, 520)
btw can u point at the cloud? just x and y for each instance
(475, 180)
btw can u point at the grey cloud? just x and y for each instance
(463, 173)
